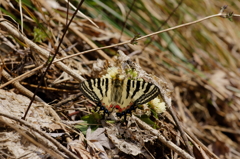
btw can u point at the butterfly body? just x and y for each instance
(119, 95)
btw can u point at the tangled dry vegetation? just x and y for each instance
(199, 64)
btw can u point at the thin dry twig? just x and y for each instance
(21, 88)
(57, 144)
(194, 138)
(169, 144)
(49, 63)
(22, 76)
(81, 14)
(43, 145)
(105, 47)
(11, 30)
(143, 37)
(181, 130)
(76, 31)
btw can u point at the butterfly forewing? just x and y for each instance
(148, 96)
(141, 92)
(92, 89)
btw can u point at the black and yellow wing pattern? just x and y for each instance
(122, 96)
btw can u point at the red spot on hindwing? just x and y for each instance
(118, 107)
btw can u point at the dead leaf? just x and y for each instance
(78, 147)
(99, 139)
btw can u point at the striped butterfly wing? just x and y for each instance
(104, 90)
(135, 93)
(93, 89)
(122, 95)
(141, 92)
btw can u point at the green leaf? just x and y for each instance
(147, 120)
(39, 35)
(91, 120)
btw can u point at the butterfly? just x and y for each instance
(119, 95)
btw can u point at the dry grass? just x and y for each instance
(199, 62)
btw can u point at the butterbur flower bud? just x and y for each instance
(158, 105)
